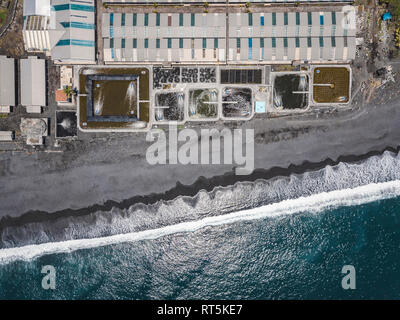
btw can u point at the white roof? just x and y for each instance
(7, 82)
(37, 8)
(6, 136)
(33, 82)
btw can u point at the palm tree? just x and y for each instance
(69, 92)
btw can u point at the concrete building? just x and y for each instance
(270, 37)
(7, 84)
(6, 136)
(174, 37)
(33, 84)
(63, 29)
(292, 36)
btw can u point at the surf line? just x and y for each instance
(314, 203)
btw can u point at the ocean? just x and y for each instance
(287, 238)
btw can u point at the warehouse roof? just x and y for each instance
(33, 82)
(7, 81)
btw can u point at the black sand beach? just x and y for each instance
(105, 171)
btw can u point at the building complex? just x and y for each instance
(127, 65)
(252, 38)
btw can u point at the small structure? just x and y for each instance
(66, 76)
(66, 124)
(61, 96)
(34, 130)
(7, 84)
(6, 135)
(260, 107)
(33, 84)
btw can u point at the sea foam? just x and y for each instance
(220, 201)
(314, 203)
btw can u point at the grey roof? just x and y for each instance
(33, 82)
(37, 7)
(209, 26)
(7, 81)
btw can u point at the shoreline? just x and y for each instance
(369, 193)
(181, 190)
(99, 172)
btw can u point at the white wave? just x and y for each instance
(219, 201)
(314, 203)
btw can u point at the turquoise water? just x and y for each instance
(296, 256)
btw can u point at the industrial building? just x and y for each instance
(63, 29)
(270, 37)
(7, 84)
(33, 84)
(6, 136)
(162, 37)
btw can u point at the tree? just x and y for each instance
(69, 92)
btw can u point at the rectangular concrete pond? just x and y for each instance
(331, 85)
(291, 91)
(114, 98)
(203, 104)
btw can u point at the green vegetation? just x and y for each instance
(69, 92)
(394, 8)
(3, 16)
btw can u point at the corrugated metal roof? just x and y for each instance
(7, 81)
(33, 82)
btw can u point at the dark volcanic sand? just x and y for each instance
(108, 169)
